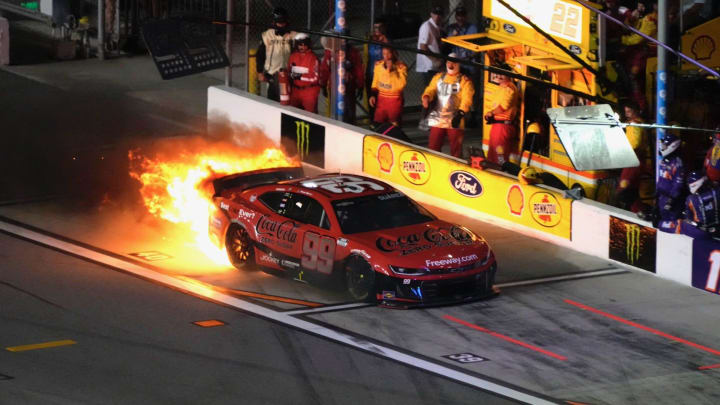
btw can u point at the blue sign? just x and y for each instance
(706, 264)
(466, 184)
(509, 28)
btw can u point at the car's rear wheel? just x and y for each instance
(360, 279)
(239, 247)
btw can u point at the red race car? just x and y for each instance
(384, 246)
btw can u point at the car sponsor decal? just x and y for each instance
(247, 215)
(266, 258)
(342, 242)
(466, 184)
(284, 234)
(318, 252)
(343, 184)
(632, 244)
(459, 261)
(516, 200)
(406, 281)
(385, 157)
(545, 209)
(388, 294)
(414, 167)
(216, 222)
(224, 206)
(432, 237)
(304, 139)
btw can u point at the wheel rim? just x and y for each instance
(239, 245)
(359, 281)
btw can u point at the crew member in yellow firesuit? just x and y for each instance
(453, 92)
(502, 116)
(637, 49)
(389, 80)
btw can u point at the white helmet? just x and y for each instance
(669, 144)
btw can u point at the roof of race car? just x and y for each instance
(341, 186)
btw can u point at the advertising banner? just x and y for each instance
(706, 264)
(632, 244)
(304, 139)
(455, 182)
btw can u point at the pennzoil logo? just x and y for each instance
(302, 132)
(632, 242)
(415, 167)
(545, 209)
(385, 157)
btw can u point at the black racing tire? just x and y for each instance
(360, 279)
(239, 247)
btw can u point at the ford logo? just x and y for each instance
(466, 184)
(509, 28)
(575, 49)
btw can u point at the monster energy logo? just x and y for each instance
(632, 247)
(302, 132)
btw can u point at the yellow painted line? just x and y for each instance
(40, 345)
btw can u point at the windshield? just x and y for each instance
(379, 211)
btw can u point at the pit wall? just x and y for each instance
(440, 180)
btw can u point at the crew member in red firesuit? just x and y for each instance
(354, 76)
(303, 67)
(453, 92)
(389, 80)
(702, 208)
(274, 52)
(628, 187)
(504, 106)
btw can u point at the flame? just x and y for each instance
(176, 182)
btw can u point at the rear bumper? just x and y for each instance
(400, 293)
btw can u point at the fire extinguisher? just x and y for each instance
(284, 86)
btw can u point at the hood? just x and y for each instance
(433, 245)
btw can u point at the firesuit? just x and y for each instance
(628, 186)
(712, 161)
(454, 95)
(353, 77)
(303, 68)
(273, 55)
(702, 209)
(635, 56)
(670, 190)
(503, 132)
(389, 86)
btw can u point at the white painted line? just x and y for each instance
(326, 308)
(280, 317)
(563, 278)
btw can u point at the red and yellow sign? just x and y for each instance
(414, 167)
(502, 197)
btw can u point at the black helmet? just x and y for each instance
(279, 15)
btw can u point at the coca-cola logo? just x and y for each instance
(431, 237)
(284, 231)
(466, 184)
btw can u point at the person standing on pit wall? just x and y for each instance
(627, 191)
(502, 117)
(637, 49)
(379, 34)
(354, 71)
(453, 92)
(702, 208)
(670, 184)
(389, 80)
(429, 40)
(712, 160)
(274, 52)
(303, 66)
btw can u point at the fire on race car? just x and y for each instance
(381, 244)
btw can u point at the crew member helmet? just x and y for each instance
(279, 15)
(695, 180)
(302, 38)
(669, 144)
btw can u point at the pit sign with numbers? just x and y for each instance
(706, 265)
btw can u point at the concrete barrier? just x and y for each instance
(595, 229)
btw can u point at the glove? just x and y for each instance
(457, 118)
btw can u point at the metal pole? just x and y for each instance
(247, 45)
(372, 16)
(661, 78)
(309, 7)
(101, 29)
(228, 41)
(340, 85)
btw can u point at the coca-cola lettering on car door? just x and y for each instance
(311, 245)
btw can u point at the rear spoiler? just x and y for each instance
(255, 178)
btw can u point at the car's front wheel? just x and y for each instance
(360, 279)
(239, 247)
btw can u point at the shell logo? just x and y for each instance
(545, 209)
(703, 47)
(385, 157)
(515, 200)
(415, 167)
